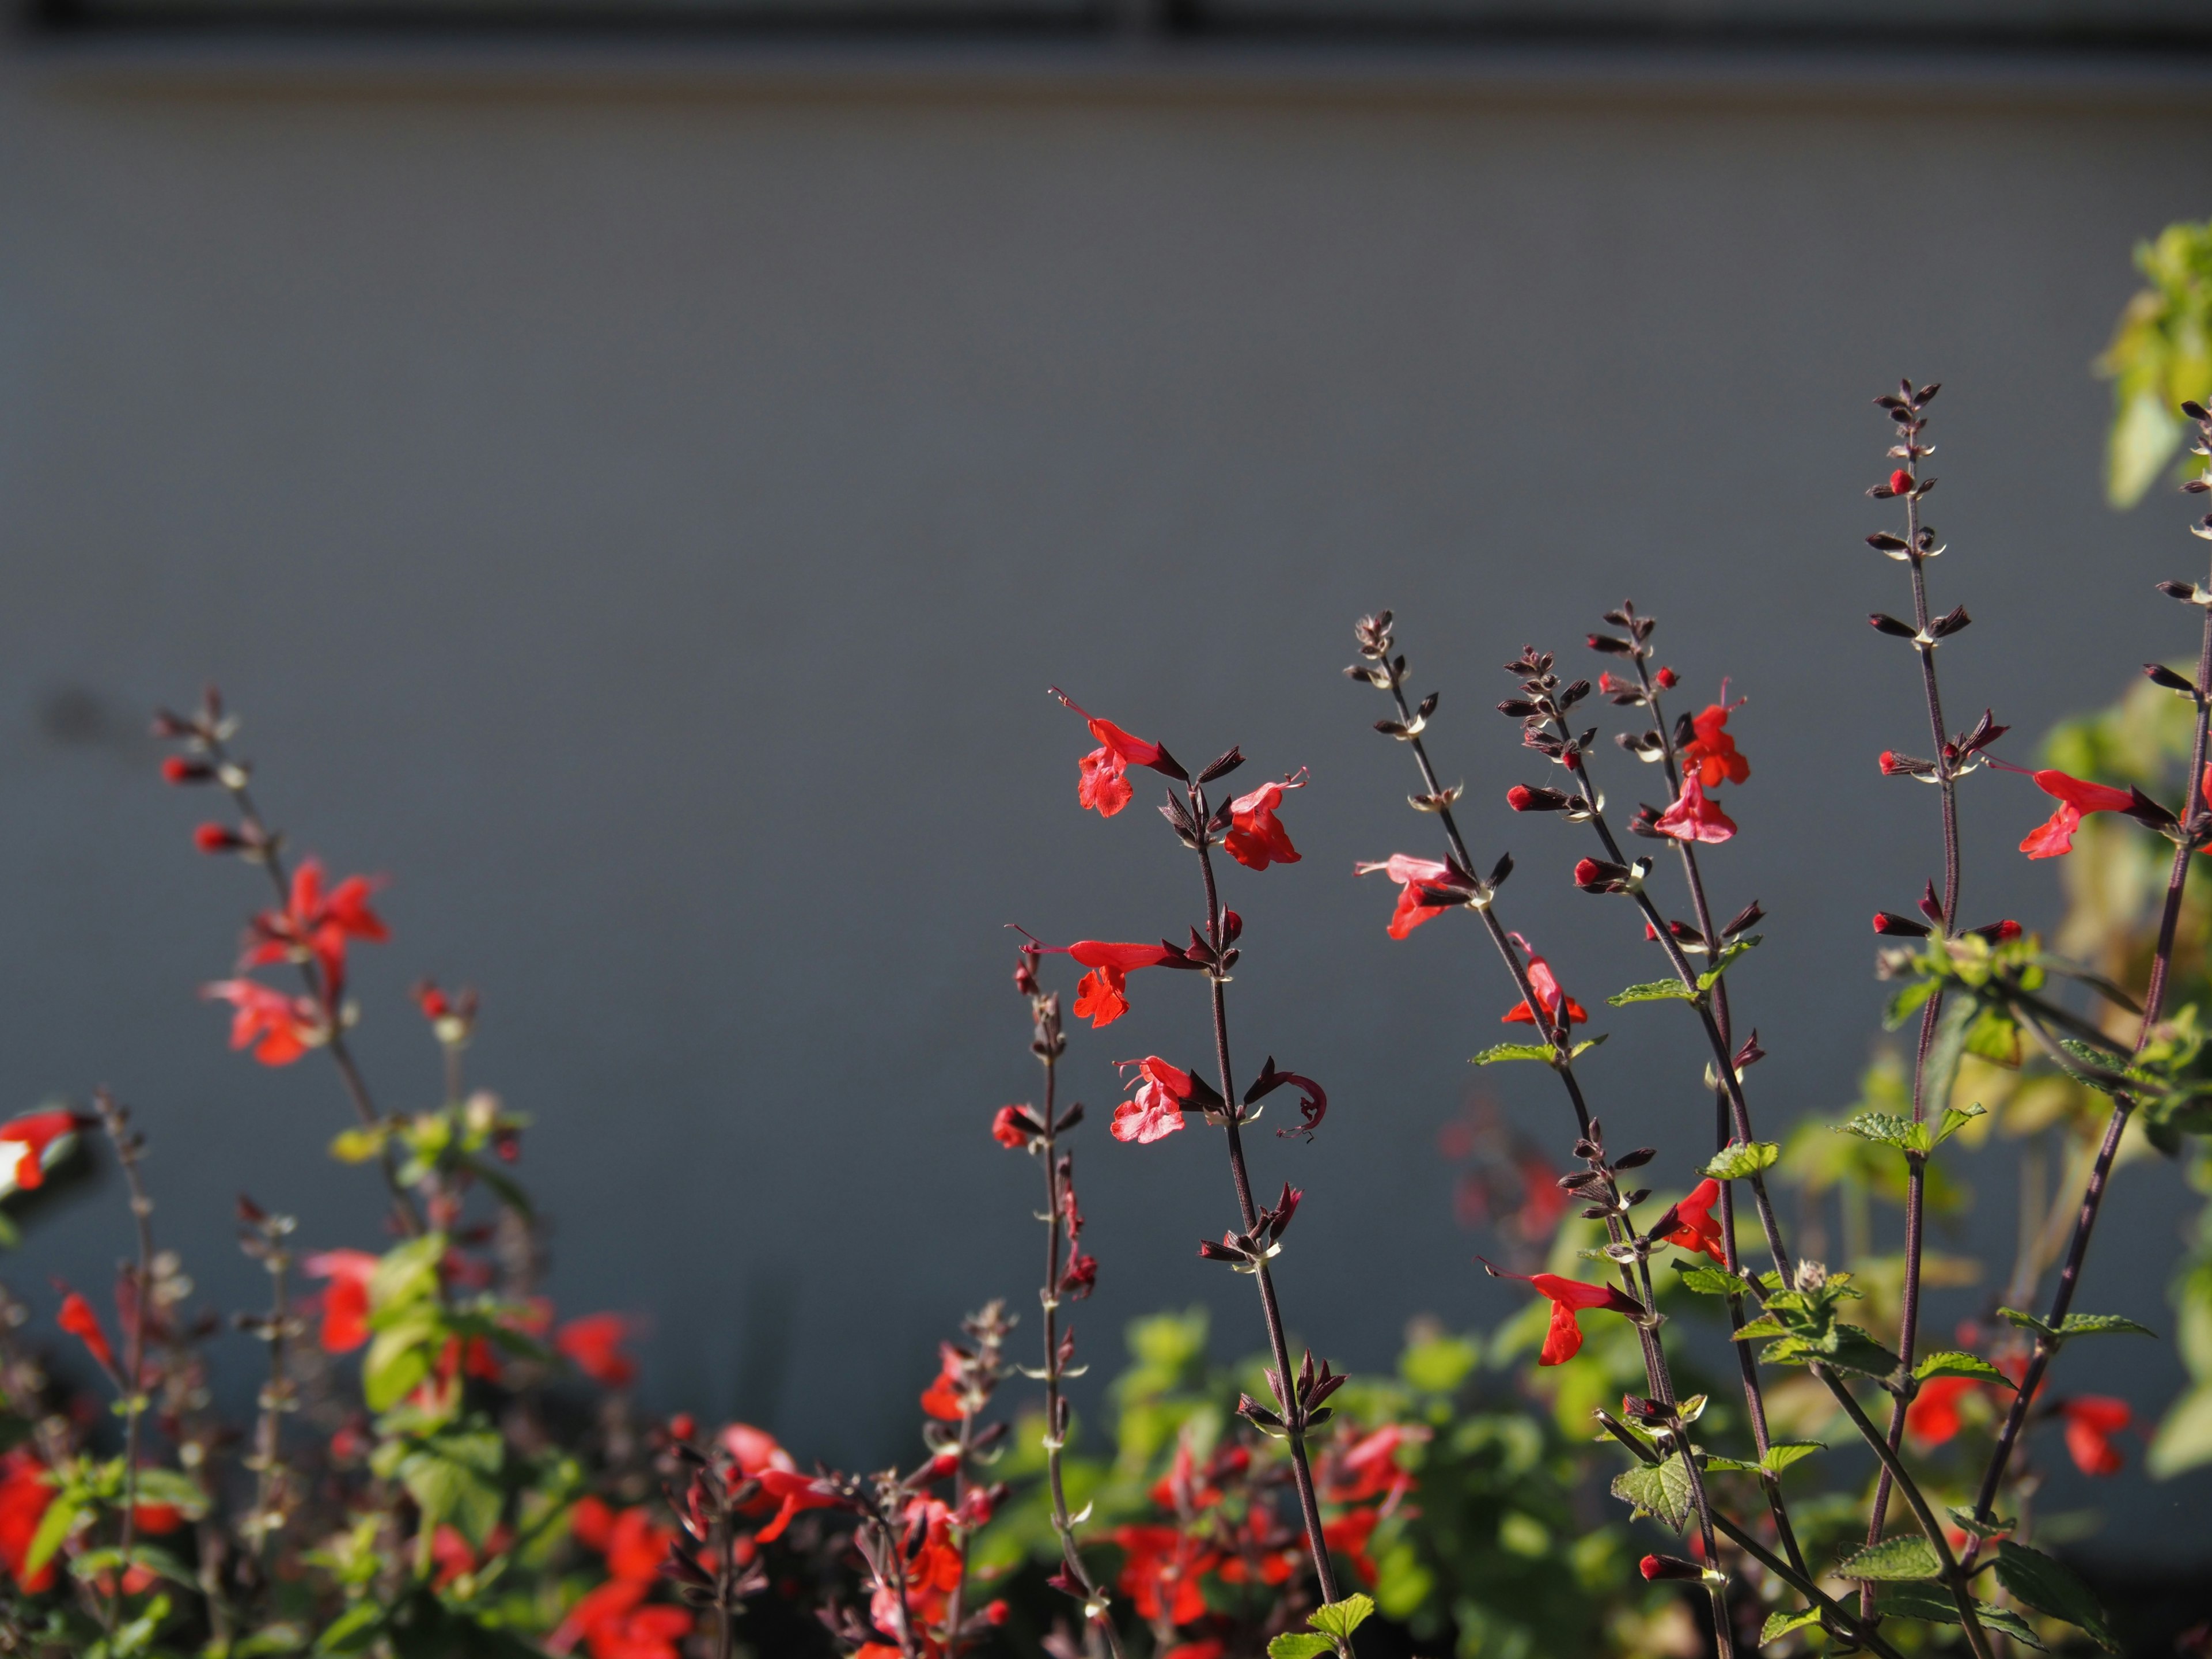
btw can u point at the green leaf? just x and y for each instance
(1956, 1118)
(178, 1491)
(1661, 1489)
(2036, 1581)
(1984, 1530)
(155, 1559)
(1887, 1129)
(1904, 1557)
(1340, 1619)
(1951, 1363)
(1496, 1052)
(53, 1531)
(1994, 1036)
(2076, 1325)
(453, 1478)
(1739, 1159)
(1727, 1465)
(353, 1631)
(1708, 1281)
(1779, 1625)
(1906, 1003)
(1933, 1604)
(408, 1272)
(269, 1638)
(1299, 1644)
(2185, 1438)
(1729, 952)
(2145, 434)
(1654, 990)
(398, 1359)
(1781, 1454)
(359, 1145)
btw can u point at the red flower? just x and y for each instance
(1256, 836)
(1548, 993)
(1348, 1535)
(25, 1495)
(1693, 816)
(1099, 994)
(1155, 1112)
(2077, 798)
(1416, 879)
(77, 1318)
(1210, 1648)
(610, 1620)
(316, 924)
(1013, 1127)
(1901, 482)
(1712, 752)
(1569, 1298)
(285, 1027)
(1161, 1572)
(2092, 1420)
(1699, 1229)
(345, 1300)
(27, 1139)
(1933, 1416)
(1666, 679)
(941, 1399)
(594, 1346)
(1100, 782)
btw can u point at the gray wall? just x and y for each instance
(639, 507)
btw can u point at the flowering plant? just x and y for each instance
(440, 1462)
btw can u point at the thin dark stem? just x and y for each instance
(1293, 1414)
(2196, 819)
(124, 1141)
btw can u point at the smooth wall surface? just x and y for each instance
(641, 517)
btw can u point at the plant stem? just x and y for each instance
(124, 1141)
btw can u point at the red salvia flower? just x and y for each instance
(284, 1028)
(1548, 993)
(1100, 995)
(1569, 1298)
(25, 1495)
(1161, 1571)
(1712, 752)
(1698, 1229)
(1348, 1535)
(2092, 1420)
(941, 1399)
(1155, 1112)
(594, 1346)
(2077, 798)
(345, 1298)
(611, 1620)
(1694, 815)
(1013, 1127)
(1416, 878)
(1933, 1417)
(315, 924)
(1256, 836)
(24, 1142)
(1101, 783)
(77, 1318)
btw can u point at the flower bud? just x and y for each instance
(217, 838)
(1657, 1567)
(1667, 679)
(177, 769)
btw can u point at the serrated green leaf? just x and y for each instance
(1726, 1465)
(1887, 1129)
(1932, 1603)
(1952, 1363)
(1708, 1281)
(1906, 1558)
(2051, 1588)
(1299, 1644)
(1956, 1118)
(1739, 1159)
(1984, 1530)
(1498, 1051)
(1661, 1489)
(1781, 1454)
(1653, 990)
(1906, 1003)
(1994, 1036)
(2076, 1325)
(1857, 1352)
(1729, 952)
(1779, 1625)
(1340, 1619)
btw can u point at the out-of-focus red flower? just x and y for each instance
(1933, 1417)
(25, 1495)
(2092, 1420)
(1416, 877)
(2076, 798)
(1100, 782)
(1699, 1229)
(24, 1142)
(1695, 816)
(594, 1346)
(1348, 1535)
(1155, 1111)
(941, 1399)
(1210, 1647)
(1548, 993)
(1013, 1127)
(1569, 1298)
(1161, 1570)
(1256, 836)
(285, 1027)
(315, 924)
(1369, 1467)
(1712, 752)
(610, 1620)
(345, 1298)
(793, 1492)
(77, 1318)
